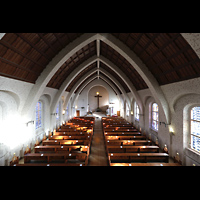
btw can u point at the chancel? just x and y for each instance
(98, 96)
(99, 99)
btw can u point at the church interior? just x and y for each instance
(123, 92)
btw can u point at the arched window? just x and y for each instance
(127, 110)
(137, 111)
(58, 115)
(58, 111)
(154, 116)
(195, 128)
(38, 111)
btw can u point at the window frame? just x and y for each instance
(40, 118)
(152, 119)
(137, 112)
(58, 111)
(190, 128)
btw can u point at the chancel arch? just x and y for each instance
(85, 65)
(79, 43)
(95, 94)
(115, 69)
(83, 85)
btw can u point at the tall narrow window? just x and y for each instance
(195, 128)
(127, 110)
(57, 111)
(38, 111)
(137, 112)
(154, 116)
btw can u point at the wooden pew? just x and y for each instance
(70, 137)
(130, 137)
(118, 125)
(63, 133)
(58, 148)
(50, 164)
(120, 130)
(128, 142)
(137, 157)
(77, 130)
(66, 157)
(66, 142)
(145, 164)
(133, 149)
(118, 133)
(69, 129)
(77, 125)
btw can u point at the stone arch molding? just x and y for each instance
(88, 81)
(86, 64)
(79, 43)
(85, 77)
(9, 104)
(186, 100)
(181, 118)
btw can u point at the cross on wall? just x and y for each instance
(97, 96)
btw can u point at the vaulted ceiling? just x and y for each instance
(168, 56)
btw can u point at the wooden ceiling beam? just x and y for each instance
(33, 46)
(16, 77)
(168, 58)
(147, 45)
(9, 46)
(180, 66)
(59, 41)
(136, 41)
(161, 48)
(18, 66)
(51, 47)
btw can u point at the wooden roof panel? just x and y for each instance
(30, 51)
(108, 69)
(74, 61)
(168, 56)
(114, 57)
(168, 52)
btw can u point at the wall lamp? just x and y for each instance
(164, 124)
(30, 122)
(63, 112)
(171, 130)
(55, 114)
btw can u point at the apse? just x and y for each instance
(103, 100)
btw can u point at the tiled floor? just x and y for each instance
(98, 153)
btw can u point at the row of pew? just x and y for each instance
(69, 145)
(126, 146)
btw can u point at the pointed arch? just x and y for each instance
(79, 43)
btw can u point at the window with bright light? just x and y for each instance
(154, 116)
(57, 111)
(137, 111)
(38, 111)
(195, 128)
(127, 110)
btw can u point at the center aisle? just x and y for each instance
(98, 153)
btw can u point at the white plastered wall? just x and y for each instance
(83, 97)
